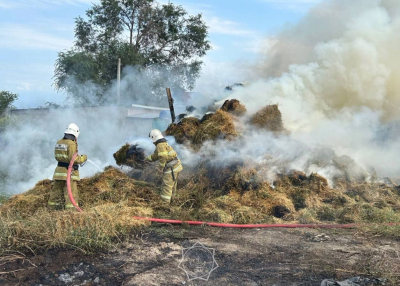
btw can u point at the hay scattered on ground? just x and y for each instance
(269, 118)
(234, 193)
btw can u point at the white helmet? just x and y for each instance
(72, 129)
(155, 135)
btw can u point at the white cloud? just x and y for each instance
(17, 36)
(42, 3)
(3, 4)
(215, 47)
(297, 5)
(24, 86)
(227, 27)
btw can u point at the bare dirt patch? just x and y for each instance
(245, 257)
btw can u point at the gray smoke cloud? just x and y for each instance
(334, 76)
(27, 154)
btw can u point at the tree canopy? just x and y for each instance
(162, 41)
(6, 100)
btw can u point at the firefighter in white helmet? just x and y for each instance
(169, 164)
(63, 152)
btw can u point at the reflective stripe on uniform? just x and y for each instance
(166, 197)
(65, 175)
(69, 206)
(171, 152)
(65, 156)
(162, 153)
(53, 204)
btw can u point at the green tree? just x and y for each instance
(162, 41)
(6, 100)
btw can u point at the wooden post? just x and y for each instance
(171, 104)
(119, 82)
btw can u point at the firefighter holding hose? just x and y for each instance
(63, 152)
(169, 164)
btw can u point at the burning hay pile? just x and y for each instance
(269, 118)
(234, 106)
(215, 126)
(237, 192)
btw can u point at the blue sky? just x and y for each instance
(32, 32)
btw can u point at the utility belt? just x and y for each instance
(170, 165)
(66, 165)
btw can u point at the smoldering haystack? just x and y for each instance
(269, 118)
(219, 125)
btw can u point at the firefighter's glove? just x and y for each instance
(84, 158)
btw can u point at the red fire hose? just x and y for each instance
(352, 225)
(71, 197)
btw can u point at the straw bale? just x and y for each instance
(269, 118)
(234, 106)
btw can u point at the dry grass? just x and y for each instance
(235, 194)
(97, 228)
(110, 200)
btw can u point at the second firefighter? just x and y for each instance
(169, 164)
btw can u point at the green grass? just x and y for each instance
(3, 198)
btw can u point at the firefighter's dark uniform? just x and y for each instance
(169, 164)
(63, 152)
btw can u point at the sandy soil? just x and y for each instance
(245, 257)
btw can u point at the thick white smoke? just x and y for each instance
(27, 154)
(335, 78)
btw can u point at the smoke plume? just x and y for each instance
(334, 76)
